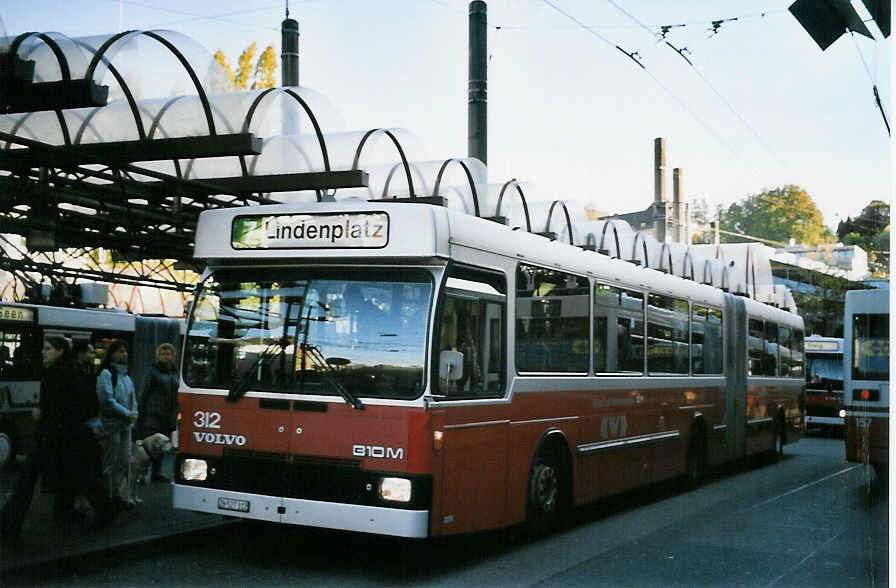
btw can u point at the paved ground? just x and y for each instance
(43, 541)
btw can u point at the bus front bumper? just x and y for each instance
(312, 513)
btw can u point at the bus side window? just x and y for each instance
(796, 366)
(755, 347)
(770, 351)
(784, 346)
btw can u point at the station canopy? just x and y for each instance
(120, 141)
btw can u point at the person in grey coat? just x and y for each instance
(118, 411)
(158, 402)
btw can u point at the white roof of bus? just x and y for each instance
(427, 231)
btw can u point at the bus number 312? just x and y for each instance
(206, 420)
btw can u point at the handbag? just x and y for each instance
(95, 425)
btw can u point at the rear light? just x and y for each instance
(866, 395)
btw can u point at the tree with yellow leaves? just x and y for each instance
(261, 75)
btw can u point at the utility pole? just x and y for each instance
(477, 89)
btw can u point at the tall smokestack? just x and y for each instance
(659, 188)
(477, 89)
(678, 208)
(289, 55)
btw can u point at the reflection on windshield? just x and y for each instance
(310, 331)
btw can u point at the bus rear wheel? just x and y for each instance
(544, 495)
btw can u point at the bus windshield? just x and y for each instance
(871, 347)
(310, 331)
(824, 372)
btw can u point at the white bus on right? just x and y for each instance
(866, 375)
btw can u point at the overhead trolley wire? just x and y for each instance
(703, 78)
(656, 80)
(871, 77)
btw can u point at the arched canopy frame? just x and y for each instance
(54, 47)
(640, 238)
(547, 224)
(603, 236)
(519, 191)
(200, 91)
(445, 164)
(397, 143)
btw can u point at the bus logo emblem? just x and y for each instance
(378, 451)
(613, 426)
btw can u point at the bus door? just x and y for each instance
(471, 367)
(735, 376)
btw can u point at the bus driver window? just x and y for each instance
(470, 348)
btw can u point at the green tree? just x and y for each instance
(260, 73)
(702, 215)
(870, 230)
(777, 215)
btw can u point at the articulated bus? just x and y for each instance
(23, 328)
(824, 382)
(866, 370)
(408, 370)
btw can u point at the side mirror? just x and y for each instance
(451, 365)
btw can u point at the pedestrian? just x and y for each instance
(118, 412)
(158, 403)
(84, 355)
(61, 455)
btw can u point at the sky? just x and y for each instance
(762, 106)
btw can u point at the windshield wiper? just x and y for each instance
(326, 370)
(328, 374)
(241, 385)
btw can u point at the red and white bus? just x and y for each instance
(866, 385)
(824, 382)
(408, 370)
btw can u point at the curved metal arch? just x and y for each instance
(404, 160)
(547, 224)
(317, 130)
(128, 95)
(435, 190)
(707, 268)
(63, 127)
(304, 156)
(519, 191)
(640, 235)
(688, 257)
(391, 174)
(54, 47)
(200, 91)
(603, 236)
(665, 253)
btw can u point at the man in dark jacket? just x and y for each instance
(158, 402)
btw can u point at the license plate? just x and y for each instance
(233, 504)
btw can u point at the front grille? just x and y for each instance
(305, 476)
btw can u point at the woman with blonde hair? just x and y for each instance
(158, 402)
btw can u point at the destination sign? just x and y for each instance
(16, 314)
(822, 346)
(368, 230)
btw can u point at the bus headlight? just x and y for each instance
(842, 413)
(396, 489)
(194, 470)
